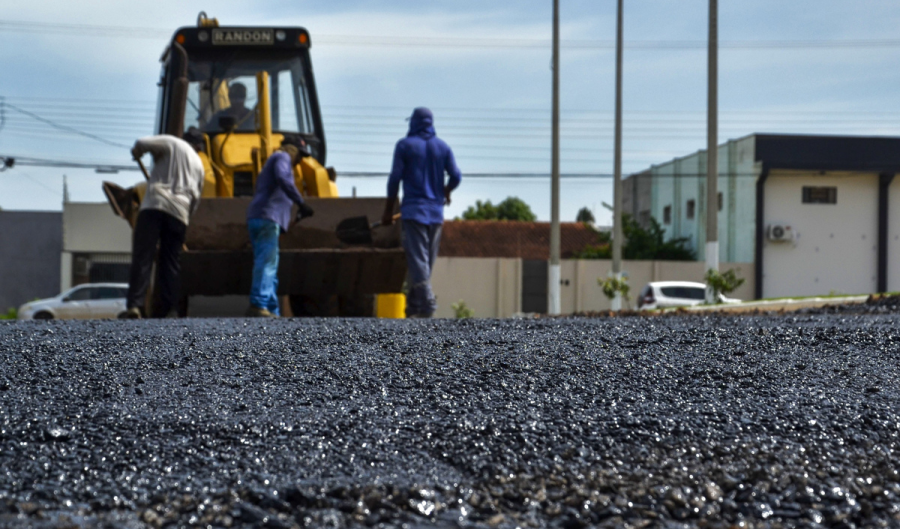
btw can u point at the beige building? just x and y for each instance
(815, 214)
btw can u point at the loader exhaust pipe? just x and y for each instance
(175, 125)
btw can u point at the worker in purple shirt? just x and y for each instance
(268, 216)
(420, 161)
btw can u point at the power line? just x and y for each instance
(43, 162)
(94, 105)
(66, 128)
(419, 42)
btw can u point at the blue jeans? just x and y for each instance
(421, 242)
(264, 237)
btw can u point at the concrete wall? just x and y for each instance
(492, 287)
(835, 246)
(488, 283)
(583, 293)
(30, 242)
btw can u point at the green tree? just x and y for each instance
(513, 208)
(643, 244)
(584, 215)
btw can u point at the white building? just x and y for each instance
(811, 212)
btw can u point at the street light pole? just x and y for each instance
(712, 147)
(553, 277)
(617, 166)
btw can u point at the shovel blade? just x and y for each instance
(354, 230)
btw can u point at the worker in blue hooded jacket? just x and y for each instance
(421, 160)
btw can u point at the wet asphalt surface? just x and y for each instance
(683, 421)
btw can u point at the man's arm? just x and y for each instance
(156, 145)
(454, 172)
(197, 192)
(284, 176)
(393, 186)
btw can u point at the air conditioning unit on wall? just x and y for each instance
(779, 233)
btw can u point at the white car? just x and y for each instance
(92, 300)
(667, 294)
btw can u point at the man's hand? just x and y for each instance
(446, 197)
(136, 153)
(387, 218)
(304, 211)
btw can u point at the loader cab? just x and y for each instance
(206, 69)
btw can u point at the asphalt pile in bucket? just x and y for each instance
(688, 421)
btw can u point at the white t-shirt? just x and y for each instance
(176, 181)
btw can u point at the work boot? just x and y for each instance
(256, 312)
(133, 313)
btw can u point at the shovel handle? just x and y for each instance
(395, 218)
(143, 169)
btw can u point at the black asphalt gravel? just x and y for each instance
(683, 421)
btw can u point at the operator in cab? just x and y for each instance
(268, 216)
(243, 117)
(420, 161)
(173, 194)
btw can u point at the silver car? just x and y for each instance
(91, 300)
(667, 294)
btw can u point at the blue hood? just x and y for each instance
(421, 123)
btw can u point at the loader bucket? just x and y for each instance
(316, 267)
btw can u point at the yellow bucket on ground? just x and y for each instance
(390, 306)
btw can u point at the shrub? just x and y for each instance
(460, 310)
(722, 283)
(612, 285)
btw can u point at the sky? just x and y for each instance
(79, 84)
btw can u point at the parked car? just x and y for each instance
(667, 294)
(92, 300)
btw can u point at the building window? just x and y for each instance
(720, 201)
(667, 215)
(819, 195)
(691, 204)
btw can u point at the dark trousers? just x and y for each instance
(421, 243)
(154, 227)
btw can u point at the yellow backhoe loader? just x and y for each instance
(247, 88)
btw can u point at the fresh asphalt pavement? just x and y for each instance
(675, 421)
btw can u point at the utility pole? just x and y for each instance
(712, 147)
(554, 275)
(617, 167)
